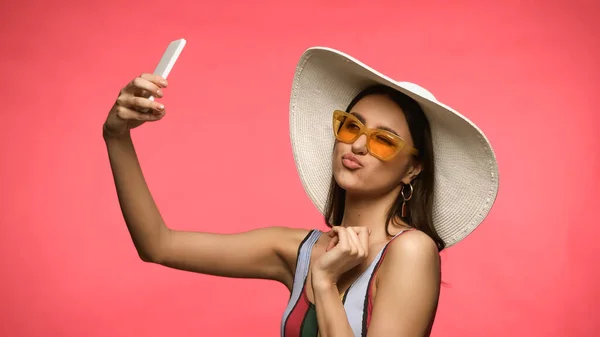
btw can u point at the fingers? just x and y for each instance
(351, 240)
(332, 243)
(158, 80)
(363, 236)
(145, 85)
(353, 237)
(343, 243)
(135, 96)
(346, 244)
(129, 114)
(139, 103)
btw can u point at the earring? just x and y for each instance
(406, 198)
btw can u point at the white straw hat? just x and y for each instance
(466, 171)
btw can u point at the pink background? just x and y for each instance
(525, 71)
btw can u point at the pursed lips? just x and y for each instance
(351, 161)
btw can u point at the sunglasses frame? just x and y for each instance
(364, 130)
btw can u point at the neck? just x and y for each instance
(370, 212)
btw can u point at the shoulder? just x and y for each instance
(287, 238)
(291, 236)
(288, 232)
(410, 252)
(408, 284)
(283, 241)
(415, 243)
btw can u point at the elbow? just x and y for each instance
(152, 251)
(146, 257)
(150, 256)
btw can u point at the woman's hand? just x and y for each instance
(133, 106)
(348, 247)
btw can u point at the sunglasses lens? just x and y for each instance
(383, 144)
(346, 128)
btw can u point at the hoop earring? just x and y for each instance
(406, 198)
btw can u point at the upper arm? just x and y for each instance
(266, 253)
(408, 284)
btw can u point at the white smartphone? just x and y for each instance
(168, 59)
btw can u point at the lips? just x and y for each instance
(351, 161)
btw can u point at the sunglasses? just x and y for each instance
(381, 144)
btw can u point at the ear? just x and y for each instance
(413, 171)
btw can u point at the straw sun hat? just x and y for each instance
(466, 171)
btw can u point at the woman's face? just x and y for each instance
(372, 176)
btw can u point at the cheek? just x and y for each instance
(387, 173)
(397, 168)
(339, 149)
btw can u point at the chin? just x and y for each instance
(349, 181)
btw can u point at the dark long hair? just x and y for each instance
(420, 206)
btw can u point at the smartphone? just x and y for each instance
(168, 59)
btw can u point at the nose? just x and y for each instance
(360, 145)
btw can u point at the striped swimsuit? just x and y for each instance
(300, 317)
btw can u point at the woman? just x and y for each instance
(397, 175)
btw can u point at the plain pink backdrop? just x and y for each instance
(525, 71)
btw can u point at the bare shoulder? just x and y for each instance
(288, 237)
(285, 239)
(413, 244)
(411, 251)
(407, 290)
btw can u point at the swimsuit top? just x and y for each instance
(300, 317)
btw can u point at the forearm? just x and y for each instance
(331, 315)
(139, 210)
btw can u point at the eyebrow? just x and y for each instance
(362, 119)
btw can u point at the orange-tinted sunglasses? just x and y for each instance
(381, 144)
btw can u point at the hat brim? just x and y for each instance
(466, 171)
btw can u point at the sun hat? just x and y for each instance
(466, 171)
